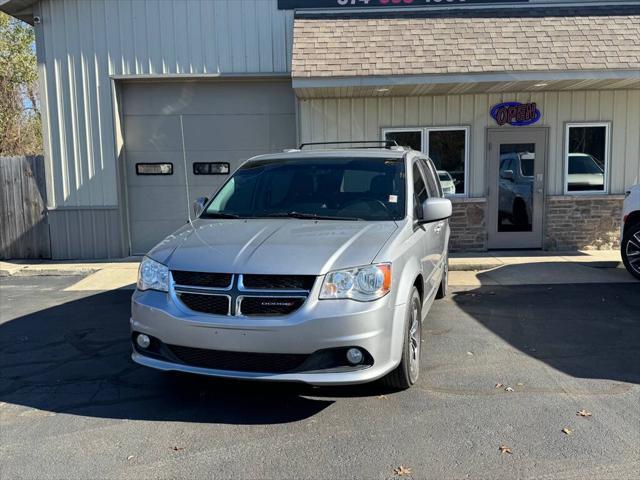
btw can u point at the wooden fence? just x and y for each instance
(24, 231)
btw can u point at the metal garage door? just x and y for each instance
(223, 123)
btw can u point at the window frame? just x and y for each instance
(425, 131)
(607, 156)
(405, 130)
(228, 165)
(140, 164)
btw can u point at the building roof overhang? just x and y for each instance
(411, 85)
(21, 9)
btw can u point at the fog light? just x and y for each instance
(143, 341)
(354, 356)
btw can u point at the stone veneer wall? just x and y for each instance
(468, 224)
(583, 222)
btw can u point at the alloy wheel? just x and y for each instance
(415, 338)
(632, 252)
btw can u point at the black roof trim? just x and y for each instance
(465, 12)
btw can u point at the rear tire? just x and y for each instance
(406, 374)
(631, 250)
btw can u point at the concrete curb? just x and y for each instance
(52, 268)
(473, 267)
(482, 266)
(456, 264)
(46, 272)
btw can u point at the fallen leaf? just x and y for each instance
(499, 385)
(583, 413)
(382, 397)
(567, 430)
(130, 457)
(469, 353)
(520, 385)
(402, 471)
(177, 449)
(504, 449)
(508, 389)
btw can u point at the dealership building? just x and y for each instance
(530, 109)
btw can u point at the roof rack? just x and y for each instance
(379, 143)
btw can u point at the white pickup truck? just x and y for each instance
(630, 247)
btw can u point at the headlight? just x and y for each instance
(153, 276)
(363, 284)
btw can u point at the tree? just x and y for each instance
(20, 124)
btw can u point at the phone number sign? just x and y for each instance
(293, 4)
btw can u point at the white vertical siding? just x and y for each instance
(85, 42)
(364, 118)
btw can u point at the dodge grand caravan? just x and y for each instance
(315, 266)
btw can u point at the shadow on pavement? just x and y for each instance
(588, 330)
(75, 358)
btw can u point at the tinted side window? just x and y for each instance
(419, 190)
(433, 183)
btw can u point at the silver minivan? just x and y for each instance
(315, 266)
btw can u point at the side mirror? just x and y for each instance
(436, 209)
(507, 175)
(198, 206)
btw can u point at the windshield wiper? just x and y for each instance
(220, 215)
(309, 216)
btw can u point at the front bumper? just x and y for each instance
(376, 327)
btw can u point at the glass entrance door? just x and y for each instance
(517, 160)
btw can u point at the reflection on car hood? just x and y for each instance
(586, 178)
(273, 246)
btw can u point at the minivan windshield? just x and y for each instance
(320, 188)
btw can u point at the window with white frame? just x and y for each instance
(411, 138)
(586, 158)
(448, 147)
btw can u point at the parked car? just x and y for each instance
(516, 190)
(585, 173)
(631, 231)
(448, 185)
(308, 266)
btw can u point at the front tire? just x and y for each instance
(406, 374)
(631, 250)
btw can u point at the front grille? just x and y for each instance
(238, 361)
(202, 279)
(278, 282)
(248, 295)
(270, 305)
(213, 304)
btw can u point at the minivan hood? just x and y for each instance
(273, 246)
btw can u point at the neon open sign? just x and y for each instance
(516, 113)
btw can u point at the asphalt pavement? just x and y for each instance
(503, 366)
